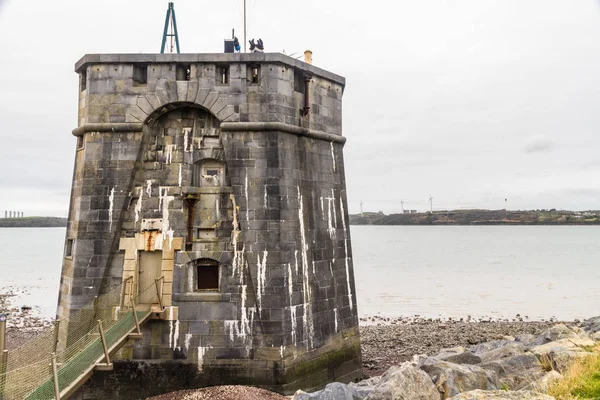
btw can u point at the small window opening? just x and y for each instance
(183, 72)
(207, 273)
(69, 248)
(298, 81)
(79, 142)
(222, 74)
(253, 73)
(82, 81)
(140, 75)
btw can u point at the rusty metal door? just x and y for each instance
(150, 269)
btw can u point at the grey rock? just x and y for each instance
(405, 382)
(564, 352)
(502, 395)
(516, 372)
(543, 383)
(452, 379)
(591, 324)
(508, 350)
(365, 387)
(528, 340)
(333, 391)
(559, 331)
(488, 346)
(458, 355)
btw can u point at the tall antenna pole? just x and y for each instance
(170, 22)
(244, 26)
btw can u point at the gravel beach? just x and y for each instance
(386, 342)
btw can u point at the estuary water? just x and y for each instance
(448, 271)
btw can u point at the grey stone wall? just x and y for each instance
(284, 316)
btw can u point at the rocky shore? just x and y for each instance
(520, 367)
(386, 342)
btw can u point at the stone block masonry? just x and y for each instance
(205, 171)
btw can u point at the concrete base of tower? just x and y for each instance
(293, 368)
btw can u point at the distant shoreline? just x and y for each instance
(480, 217)
(33, 222)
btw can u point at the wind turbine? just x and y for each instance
(430, 204)
(402, 205)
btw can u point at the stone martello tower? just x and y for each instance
(223, 175)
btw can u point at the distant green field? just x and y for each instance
(33, 222)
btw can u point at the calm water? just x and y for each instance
(496, 271)
(452, 271)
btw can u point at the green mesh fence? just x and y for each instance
(28, 372)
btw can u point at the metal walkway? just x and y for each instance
(61, 359)
(73, 374)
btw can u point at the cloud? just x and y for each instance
(538, 144)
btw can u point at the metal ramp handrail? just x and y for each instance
(47, 368)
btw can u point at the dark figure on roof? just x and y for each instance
(236, 44)
(257, 47)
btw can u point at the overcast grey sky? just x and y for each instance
(470, 101)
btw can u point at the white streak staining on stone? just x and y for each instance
(247, 201)
(201, 354)
(116, 313)
(186, 136)
(169, 153)
(265, 200)
(332, 156)
(335, 319)
(296, 260)
(149, 187)
(217, 208)
(176, 335)
(111, 199)
(138, 206)
(164, 201)
(290, 284)
(170, 334)
(330, 220)
(188, 339)
(331, 267)
(334, 213)
(180, 175)
(236, 225)
(313, 265)
(281, 349)
(308, 318)
(346, 253)
(322, 209)
(261, 277)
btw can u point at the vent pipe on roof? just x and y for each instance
(308, 56)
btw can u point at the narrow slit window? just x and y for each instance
(69, 248)
(222, 74)
(82, 81)
(207, 273)
(140, 75)
(183, 72)
(253, 74)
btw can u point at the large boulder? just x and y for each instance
(458, 355)
(510, 349)
(543, 383)
(452, 379)
(559, 331)
(591, 325)
(405, 382)
(528, 340)
(562, 353)
(333, 391)
(365, 387)
(502, 395)
(517, 371)
(488, 346)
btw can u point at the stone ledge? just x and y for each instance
(280, 127)
(108, 127)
